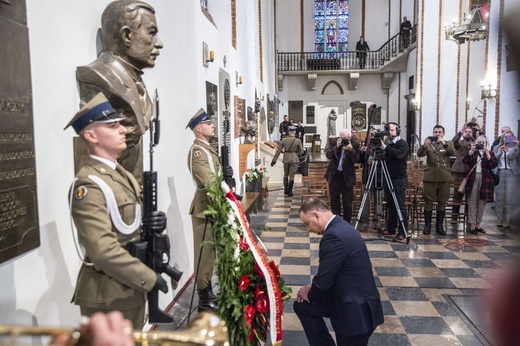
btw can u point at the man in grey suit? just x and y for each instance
(344, 288)
(131, 43)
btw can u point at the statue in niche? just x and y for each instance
(331, 124)
(250, 128)
(131, 44)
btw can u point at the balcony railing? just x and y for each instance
(350, 60)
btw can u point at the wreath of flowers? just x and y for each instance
(243, 299)
(255, 173)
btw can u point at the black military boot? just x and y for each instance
(439, 227)
(205, 302)
(289, 189)
(212, 295)
(285, 185)
(427, 222)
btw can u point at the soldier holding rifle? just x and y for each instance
(106, 205)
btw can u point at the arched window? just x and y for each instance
(331, 27)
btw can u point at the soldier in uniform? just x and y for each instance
(204, 164)
(106, 205)
(462, 142)
(293, 148)
(437, 177)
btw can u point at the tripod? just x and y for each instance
(379, 161)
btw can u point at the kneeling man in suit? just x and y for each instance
(344, 288)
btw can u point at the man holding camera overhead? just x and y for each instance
(437, 177)
(341, 173)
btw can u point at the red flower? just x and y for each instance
(242, 243)
(259, 292)
(251, 334)
(259, 271)
(244, 282)
(249, 314)
(262, 304)
(275, 269)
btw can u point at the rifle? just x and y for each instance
(224, 150)
(157, 245)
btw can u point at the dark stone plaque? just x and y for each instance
(296, 111)
(19, 228)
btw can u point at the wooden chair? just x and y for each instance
(314, 184)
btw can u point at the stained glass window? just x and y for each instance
(331, 28)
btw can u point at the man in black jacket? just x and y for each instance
(344, 288)
(362, 48)
(341, 173)
(396, 154)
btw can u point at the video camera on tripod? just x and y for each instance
(376, 138)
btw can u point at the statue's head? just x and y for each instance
(129, 30)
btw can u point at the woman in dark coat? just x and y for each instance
(480, 185)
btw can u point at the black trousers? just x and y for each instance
(311, 317)
(339, 192)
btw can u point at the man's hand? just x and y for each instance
(156, 221)
(338, 142)
(160, 284)
(302, 294)
(227, 172)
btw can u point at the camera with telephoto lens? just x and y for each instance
(479, 146)
(344, 142)
(433, 138)
(377, 138)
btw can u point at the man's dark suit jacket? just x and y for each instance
(346, 281)
(350, 158)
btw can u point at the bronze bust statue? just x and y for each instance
(131, 44)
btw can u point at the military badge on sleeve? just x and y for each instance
(81, 192)
(197, 153)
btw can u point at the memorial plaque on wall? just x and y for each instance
(19, 229)
(310, 115)
(296, 111)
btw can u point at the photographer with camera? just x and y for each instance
(437, 177)
(341, 173)
(462, 143)
(480, 186)
(396, 154)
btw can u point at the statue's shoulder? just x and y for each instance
(105, 66)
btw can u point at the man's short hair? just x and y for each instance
(439, 127)
(314, 204)
(118, 15)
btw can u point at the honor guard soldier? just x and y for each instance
(105, 203)
(437, 177)
(293, 148)
(204, 164)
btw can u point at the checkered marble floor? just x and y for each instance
(415, 280)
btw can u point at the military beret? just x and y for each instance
(292, 128)
(98, 109)
(199, 117)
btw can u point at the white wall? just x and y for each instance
(37, 287)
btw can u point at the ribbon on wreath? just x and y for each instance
(273, 292)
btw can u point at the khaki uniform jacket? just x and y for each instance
(203, 169)
(293, 149)
(462, 147)
(437, 161)
(117, 280)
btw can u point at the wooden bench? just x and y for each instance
(249, 203)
